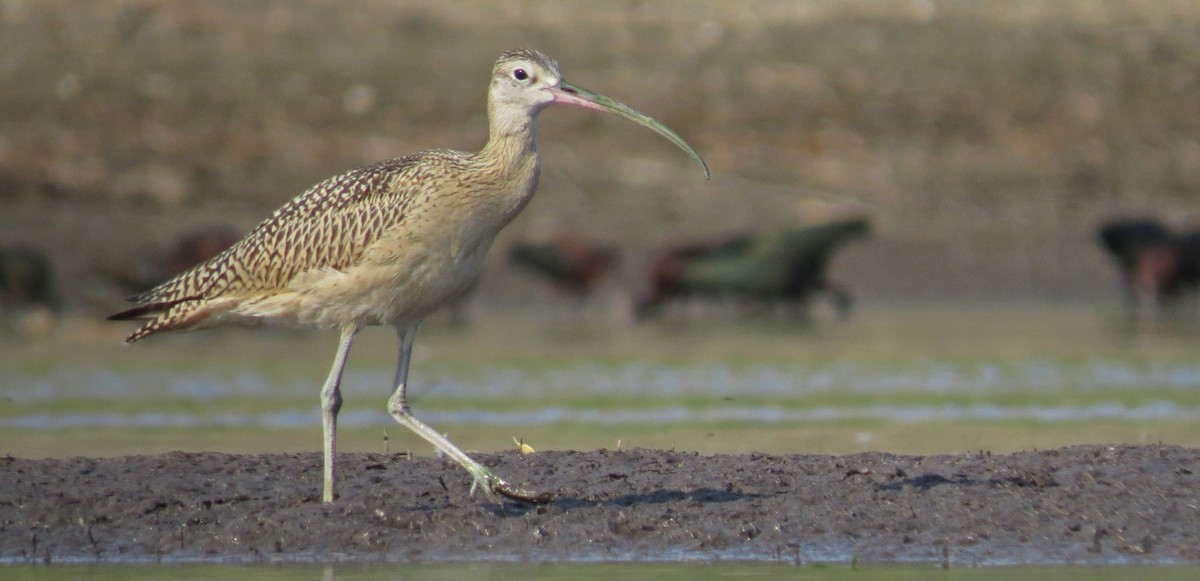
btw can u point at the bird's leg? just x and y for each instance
(331, 403)
(398, 408)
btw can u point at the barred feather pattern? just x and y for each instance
(328, 226)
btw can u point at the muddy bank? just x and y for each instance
(1084, 504)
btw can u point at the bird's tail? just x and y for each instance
(164, 315)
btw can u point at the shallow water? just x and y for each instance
(885, 371)
(1091, 382)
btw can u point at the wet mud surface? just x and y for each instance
(1085, 504)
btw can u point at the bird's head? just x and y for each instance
(526, 81)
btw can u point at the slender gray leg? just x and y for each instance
(331, 403)
(398, 408)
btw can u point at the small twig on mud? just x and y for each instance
(87, 529)
(92, 539)
(1099, 534)
(522, 447)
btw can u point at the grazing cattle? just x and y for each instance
(1158, 267)
(573, 265)
(787, 266)
(28, 299)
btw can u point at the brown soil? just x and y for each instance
(1084, 504)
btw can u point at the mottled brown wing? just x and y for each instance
(328, 226)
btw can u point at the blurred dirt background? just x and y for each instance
(985, 140)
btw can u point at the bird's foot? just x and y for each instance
(493, 485)
(521, 494)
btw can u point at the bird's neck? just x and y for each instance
(512, 160)
(512, 139)
(511, 153)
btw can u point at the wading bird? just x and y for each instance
(386, 244)
(789, 267)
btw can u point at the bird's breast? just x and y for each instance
(403, 277)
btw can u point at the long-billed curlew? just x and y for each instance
(385, 244)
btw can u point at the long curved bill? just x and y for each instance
(572, 95)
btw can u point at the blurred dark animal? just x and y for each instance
(573, 265)
(1158, 267)
(187, 251)
(28, 299)
(787, 267)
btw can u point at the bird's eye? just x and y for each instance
(520, 74)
